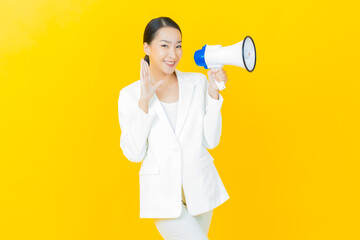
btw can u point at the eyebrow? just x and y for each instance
(169, 41)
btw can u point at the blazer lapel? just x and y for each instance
(185, 97)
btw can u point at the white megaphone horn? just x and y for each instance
(241, 54)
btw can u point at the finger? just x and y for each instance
(218, 74)
(221, 76)
(215, 70)
(212, 76)
(141, 78)
(143, 68)
(218, 70)
(224, 80)
(146, 68)
(146, 65)
(219, 79)
(143, 72)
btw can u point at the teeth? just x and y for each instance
(170, 62)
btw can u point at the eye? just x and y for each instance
(164, 45)
(179, 46)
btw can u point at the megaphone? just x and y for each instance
(241, 54)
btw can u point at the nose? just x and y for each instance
(171, 53)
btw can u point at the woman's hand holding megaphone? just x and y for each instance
(219, 75)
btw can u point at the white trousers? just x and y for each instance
(185, 227)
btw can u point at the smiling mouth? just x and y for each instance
(170, 64)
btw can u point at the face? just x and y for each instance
(165, 51)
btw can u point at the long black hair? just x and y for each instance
(153, 26)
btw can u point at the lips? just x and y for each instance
(170, 64)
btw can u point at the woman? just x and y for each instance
(168, 119)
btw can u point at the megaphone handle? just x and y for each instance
(220, 85)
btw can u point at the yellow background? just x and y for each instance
(289, 150)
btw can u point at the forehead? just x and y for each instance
(168, 33)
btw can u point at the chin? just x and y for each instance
(169, 70)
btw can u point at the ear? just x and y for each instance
(146, 49)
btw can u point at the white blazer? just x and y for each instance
(170, 158)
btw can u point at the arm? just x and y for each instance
(135, 126)
(212, 119)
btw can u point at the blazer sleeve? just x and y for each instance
(135, 126)
(212, 119)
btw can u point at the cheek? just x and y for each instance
(160, 53)
(179, 53)
(163, 54)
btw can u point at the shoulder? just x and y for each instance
(194, 78)
(132, 87)
(192, 75)
(132, 90)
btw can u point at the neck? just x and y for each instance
(157, 75)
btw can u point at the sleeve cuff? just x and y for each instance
(213, 103)
(143, 114)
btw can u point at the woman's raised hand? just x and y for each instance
(147, 88)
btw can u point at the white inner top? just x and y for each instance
(171, 112)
